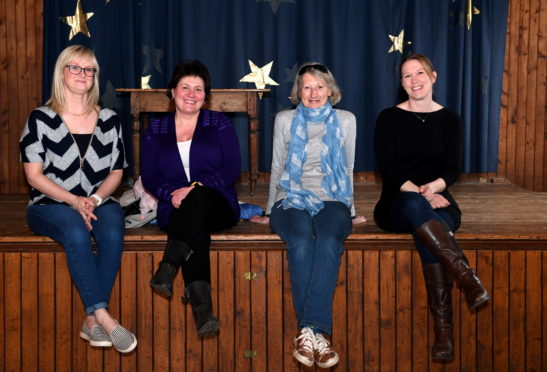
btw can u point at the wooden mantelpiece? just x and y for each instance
(225, 100)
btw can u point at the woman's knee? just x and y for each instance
(412, 204)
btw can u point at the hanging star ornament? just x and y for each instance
(259, 76)
(144, 82)
(275, 4)
(78, 22)
(469, 11)
(398, 42)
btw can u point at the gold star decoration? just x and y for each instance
(144, 82)
(398, 42)
(77, 22)
(469, 11)
(260, 76)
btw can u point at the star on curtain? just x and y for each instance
(291, 74)
(144, 82)
(77, 22)
(260, 76)
(398, 42)
(153, 56)
(275, 4)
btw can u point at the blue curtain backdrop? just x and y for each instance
(133, 39)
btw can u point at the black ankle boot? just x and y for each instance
(198, 293)
(439, 296)
(444, 247)
(175, 252)
(162, 281)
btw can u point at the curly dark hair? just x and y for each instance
(190, 68)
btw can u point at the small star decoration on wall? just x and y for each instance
(398, 42)
(260, 76)
(77, 22)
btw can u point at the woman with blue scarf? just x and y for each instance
(310, 204)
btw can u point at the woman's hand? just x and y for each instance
(179, 195)
(85, 206)
(264, 220)
(431, 188)
(438, 201)
(358, 220)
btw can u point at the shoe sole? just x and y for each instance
(162, 289)
(480, 302)
(129, 349)
(210, 328)
(328, 364)
(95, 343)
(302, 359)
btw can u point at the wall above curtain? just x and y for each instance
(362, 41)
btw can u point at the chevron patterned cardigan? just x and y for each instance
(46, 139)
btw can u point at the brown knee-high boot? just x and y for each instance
(440, 240)
(439, 295)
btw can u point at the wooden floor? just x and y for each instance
(491, 212)
(380, 316)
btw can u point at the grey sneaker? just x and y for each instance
(95, 337)
(123, 340)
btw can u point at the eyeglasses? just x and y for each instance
(317, 66)
(76, 70)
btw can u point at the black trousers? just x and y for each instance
(203, 211)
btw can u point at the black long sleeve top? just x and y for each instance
(408, 149)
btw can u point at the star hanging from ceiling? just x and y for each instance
(275, 4)
(78, 22)
(469, 11)
(260, 76)
(398, 42)
(145, 80)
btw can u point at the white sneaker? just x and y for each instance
(303, 344)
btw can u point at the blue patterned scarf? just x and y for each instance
(335, 181)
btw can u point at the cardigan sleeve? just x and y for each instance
(229, 171)
(152, 177)
(281, 137)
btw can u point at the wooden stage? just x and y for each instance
(381, 322)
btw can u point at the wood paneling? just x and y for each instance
(522, 149)
(380, 318)
(523, 152)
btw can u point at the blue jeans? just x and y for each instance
(93, 273)
(409, 211)
(314, 247)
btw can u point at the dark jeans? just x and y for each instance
(409, 211)
(203, 211)
(93, 273)
(314, 248)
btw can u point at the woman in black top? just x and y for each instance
(418, 150)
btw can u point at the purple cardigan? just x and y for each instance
(214, 160)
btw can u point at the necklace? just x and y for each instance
(82, 157)
(421, 118)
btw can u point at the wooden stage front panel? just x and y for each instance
(381, 321)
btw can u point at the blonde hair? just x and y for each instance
(320, 71)
(57, 100)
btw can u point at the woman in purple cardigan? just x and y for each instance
(190, 162)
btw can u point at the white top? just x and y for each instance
(184, 151)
